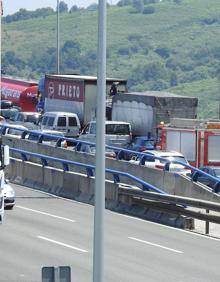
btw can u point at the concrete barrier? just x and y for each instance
(80, 187)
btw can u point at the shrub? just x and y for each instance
(122, 3)
(124, 51)
(148, 10)
(163, 52)
(138, 6)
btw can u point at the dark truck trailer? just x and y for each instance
(77, 94)
(146, 110)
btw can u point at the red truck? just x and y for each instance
(22, 93)
(197, 140)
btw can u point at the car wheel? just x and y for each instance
(9, 207)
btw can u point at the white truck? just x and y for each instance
(4, 161)
(145, 110)
(76, 94)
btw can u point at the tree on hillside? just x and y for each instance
(73, 9)
(138, 6)
(63, 7)
(122, 3)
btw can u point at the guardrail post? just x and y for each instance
(142, 160)
(44, 162)
(65, 167)
(40, 139)
(120, 155)
(195, 176)
(216, 187)
(24, 157)
(145, 188)
(116, 178)
(89, 172)
(78, 145)
(166, 166)
(207, 225)
(23, 134)
(58, 144)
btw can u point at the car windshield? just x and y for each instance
(32, 118)
(117, 129)
(13, 131)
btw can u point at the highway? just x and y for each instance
(44, 230)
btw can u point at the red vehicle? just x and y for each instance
(22, 93)
(197, 140)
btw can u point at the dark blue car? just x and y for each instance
(142, 143)
(213, 171)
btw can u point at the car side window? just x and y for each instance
(20, 118)
(149, 159)
(61, 121)
(50, 121)
(93, 128)
(72, 121)
(44, 120)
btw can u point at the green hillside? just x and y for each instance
(174, 47)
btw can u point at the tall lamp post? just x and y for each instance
(98, 246)
(58, 35)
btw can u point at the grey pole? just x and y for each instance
(58, 35)
(98, 245)
(1, 13)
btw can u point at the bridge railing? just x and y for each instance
(195, 172)
(90, 169)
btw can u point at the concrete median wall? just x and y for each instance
(169, 182)
(55, 181)
(80, 187)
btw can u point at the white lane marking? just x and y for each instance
(193, 233)
(62, 244)
(45, 213)
(156, 245)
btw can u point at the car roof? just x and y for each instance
(48, 131)
(10, 125)
(145, 138)
(211, 167)
(112, 122)
(30, 113)
(164, 153)
(59, 114)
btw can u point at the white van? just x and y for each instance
(118, 133)
(68, 123)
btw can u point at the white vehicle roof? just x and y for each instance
(11, 125)
(29, 113)
(59, 113)
(49, 131)
(164, 153)
(112, 122)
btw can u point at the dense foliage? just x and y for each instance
(156, 44)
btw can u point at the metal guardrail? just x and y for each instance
(176, 204)
(89, 169)
(120, 153)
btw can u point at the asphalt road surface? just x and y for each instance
(43, 230)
